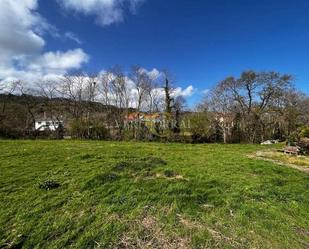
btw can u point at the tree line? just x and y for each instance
(142, 105)
(262, 105)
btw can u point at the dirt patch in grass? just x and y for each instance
(151, 175)
(148, 233)
(217, 236)
(189, 223)
(300, 163)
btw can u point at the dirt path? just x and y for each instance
(300, 168)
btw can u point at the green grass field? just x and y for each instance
(148, 195)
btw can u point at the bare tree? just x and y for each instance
(142, 86)
(6, 90)
(252, 95)
(73, 88)
(178, 106)
(120, 97)
(155, 97)
(48, 90)
(104, 81)
(30, 100)
(303, 109)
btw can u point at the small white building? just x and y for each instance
(47, 125)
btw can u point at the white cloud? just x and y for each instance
(73, 37)
(18, 23)
(187, 92)
(47, 65)
(60, 61)
(106, 12)
(153, 74)
(22, 44)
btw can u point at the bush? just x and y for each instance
(199, 126)
(293, 138)
(78, 128)
(99, 131)
(85, 129)
(304, 146)
(304, 132)
(11, 133)
(197, 138)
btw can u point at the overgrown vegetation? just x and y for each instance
(148, 195)
(299, 162)
(303, 144)
(115, 105)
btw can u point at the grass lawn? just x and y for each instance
(148, 195)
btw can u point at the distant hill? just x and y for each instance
(18, 112)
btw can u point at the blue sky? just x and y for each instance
(200, 41)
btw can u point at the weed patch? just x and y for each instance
(49, 184)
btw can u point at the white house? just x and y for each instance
(47, 125)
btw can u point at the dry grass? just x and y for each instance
(298, 162)
(148, 232)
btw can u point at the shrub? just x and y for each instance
(304, 145)
(99, 131)
(293, 138)
(85, 129)
(304, 132)
(78, 128)
(12, 133)
(199, 125)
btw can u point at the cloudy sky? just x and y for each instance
(200, 41)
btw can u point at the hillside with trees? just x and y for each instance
(115, 105)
